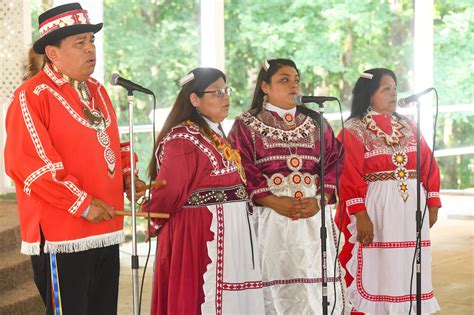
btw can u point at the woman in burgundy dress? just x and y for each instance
(206, 259)
(279, 144)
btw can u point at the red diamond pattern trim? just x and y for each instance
(298, 280)
(387, 298)
(220, 258)
(228, 286)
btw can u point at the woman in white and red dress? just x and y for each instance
(279, 144)
(206, 259)
(378, 201)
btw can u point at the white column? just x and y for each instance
(423, 67)
(212, 34)
(96, 14)
(15, 40)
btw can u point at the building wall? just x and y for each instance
(15, 40)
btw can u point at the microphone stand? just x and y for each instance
(419, 223)
(419, 218)
(135, 263)
(323, 231)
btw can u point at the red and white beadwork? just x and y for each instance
(278, 180)
(294, 162)
(400, 159)
(401, 174)
(299, 194)
(390, 139)
(289, 120)
(296, 179)
(109, 154)
(76, 17)
(295, 184)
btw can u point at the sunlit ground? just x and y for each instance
(453, 261)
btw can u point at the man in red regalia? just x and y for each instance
(70, 171)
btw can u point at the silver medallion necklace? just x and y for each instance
(92, 114)
(96, 120)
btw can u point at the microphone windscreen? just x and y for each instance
(298, 99)
(403, 103)
(114, 78)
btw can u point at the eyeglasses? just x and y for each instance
(220, 92)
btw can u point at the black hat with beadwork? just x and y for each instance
(63, 21)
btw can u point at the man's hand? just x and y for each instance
(127, 184)
(365, 228)
(99, 211)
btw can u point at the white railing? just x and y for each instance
(465, 108)
(162, 113)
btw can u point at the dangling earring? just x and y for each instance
(265, 99)
(370, 108)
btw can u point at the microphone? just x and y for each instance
(116, 79)
(300, 100)
(405, 102)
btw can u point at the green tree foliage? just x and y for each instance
(153, 43)
(456, 130)
(454, 51)
(330, 41)
(333, 41)
(37, 7)
(453, 64)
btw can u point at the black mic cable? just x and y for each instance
(148, 210)
(338, 203)
(299, 101)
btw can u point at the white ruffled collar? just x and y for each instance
(280, 111)
(213, 125)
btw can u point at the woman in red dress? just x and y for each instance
(206, 260)
(378, 201)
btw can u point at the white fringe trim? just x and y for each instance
(83, 244)
(209, 286)
(30, 249)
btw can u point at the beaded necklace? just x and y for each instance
(289, 120)
(392, 139)
(294, 162)
(399, 157)
(288, 116)
(92, 114)
(95, 118)
(230, 154)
